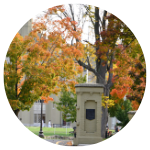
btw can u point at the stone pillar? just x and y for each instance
(88, 126)
(131, 114)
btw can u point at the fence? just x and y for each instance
(67, 125)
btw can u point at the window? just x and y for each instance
(37, 118)
(64, 123)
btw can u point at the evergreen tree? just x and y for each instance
(122, 113)
(68, 102)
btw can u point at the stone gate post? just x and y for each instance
(88, 125)
(131, 114)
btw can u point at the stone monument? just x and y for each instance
(88, 119)
(131, 114)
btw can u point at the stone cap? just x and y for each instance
(89, 85)
(131, 112)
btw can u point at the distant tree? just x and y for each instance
(138, 74)
(121, 113)
(68, 101)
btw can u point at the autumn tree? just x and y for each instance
(131, 74)
(107, 30)
(38, 62)
(104, 49)
(18, 86)
(127, 56)
(138, 74)
(129, 81)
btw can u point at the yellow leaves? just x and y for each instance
(106, 102)
(104, 57)
(95, 59)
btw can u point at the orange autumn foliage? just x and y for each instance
(129, 75)
(135, 105)
(42, 60)
(118, 93)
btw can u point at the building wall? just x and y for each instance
(26, 28)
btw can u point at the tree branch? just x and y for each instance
(104, 20)
(88, 13)
(92, 70)
(89, 43)
(88, 61)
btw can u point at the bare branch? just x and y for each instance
(88, 13)
(89, 43)
(92, 70)
(71, 12)
(88, 61)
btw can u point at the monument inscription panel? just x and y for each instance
(90, 114)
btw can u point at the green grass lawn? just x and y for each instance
(54, 131)
(51, 131)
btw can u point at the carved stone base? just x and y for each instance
(86, 140)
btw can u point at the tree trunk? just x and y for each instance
(16, 112)
(101, 68)
(104, 121)
(104, 118)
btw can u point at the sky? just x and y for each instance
(85, 36)
(54, 17)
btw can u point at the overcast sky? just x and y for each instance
(76, 7)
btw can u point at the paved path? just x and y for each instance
(65, 142)
(53, 141)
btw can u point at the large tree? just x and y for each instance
(107, 30)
